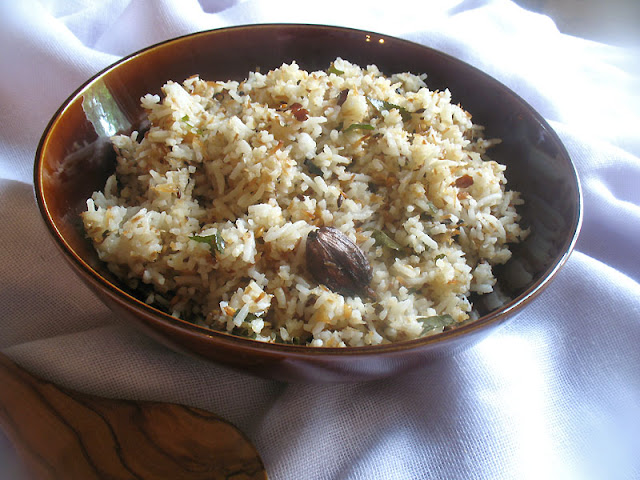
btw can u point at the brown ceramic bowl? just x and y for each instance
(74, 159)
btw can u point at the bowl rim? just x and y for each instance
(119, 294)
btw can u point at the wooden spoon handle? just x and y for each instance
(62, 434)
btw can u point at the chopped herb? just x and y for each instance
(246, 326)
(334, 70)
(313, 168)
(215, 241)
(439, 256)
(185, 119)
(385, 240)
(359, 126)
(380, 105)
(249, 318)
(339, 126)
(435, 323)
(430, 213)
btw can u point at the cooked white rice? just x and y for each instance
(258, 164)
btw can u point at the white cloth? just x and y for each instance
(553, 395)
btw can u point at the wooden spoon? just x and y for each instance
(62, 434)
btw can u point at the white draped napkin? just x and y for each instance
(553, 395)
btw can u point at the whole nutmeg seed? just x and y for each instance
(335, 261)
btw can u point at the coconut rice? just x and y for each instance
(208, 214)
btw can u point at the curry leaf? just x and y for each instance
(215, 241)
(359, 126)
(313, 168)
(385, 240)
(381, 105)
(435, 323)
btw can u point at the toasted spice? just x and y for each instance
(342, 97)
(464, 181)
(338, 263)
(301, 114)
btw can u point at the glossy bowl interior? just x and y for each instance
(75, 158)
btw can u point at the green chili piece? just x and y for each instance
(334, 70)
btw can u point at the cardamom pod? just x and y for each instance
(335, 261)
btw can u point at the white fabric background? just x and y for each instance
(553, 395)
